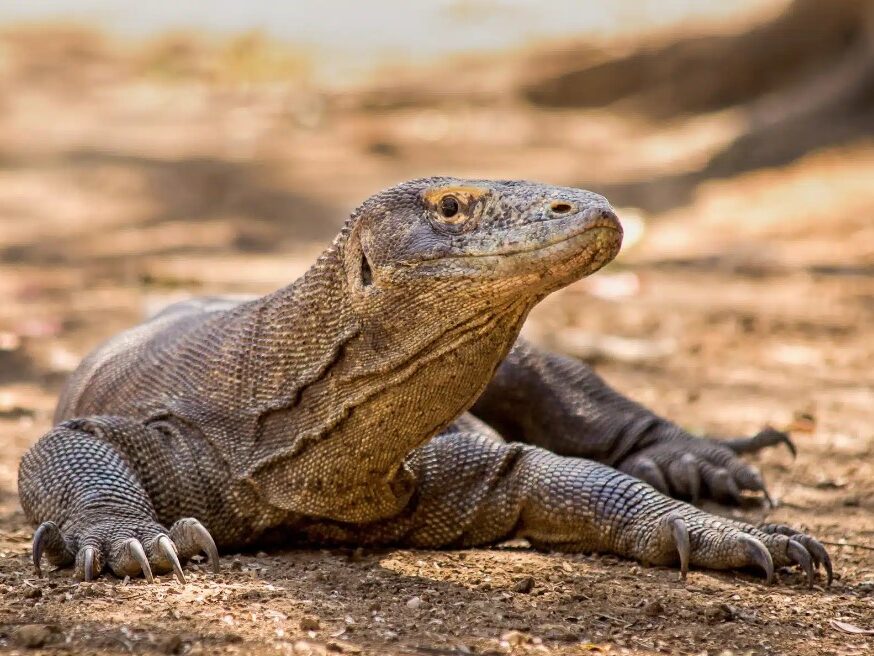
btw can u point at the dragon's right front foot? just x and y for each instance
(128, 547)
(688, 536)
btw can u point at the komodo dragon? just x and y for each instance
(335, 410)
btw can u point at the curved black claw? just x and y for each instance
(818, 553)
(680, 533)
(759, 555)
(169, 550)
(799, 555)
(763, 439)
(47, 532)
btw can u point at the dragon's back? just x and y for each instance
(111, 379)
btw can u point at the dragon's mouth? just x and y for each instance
(558, 240)
(566, 257)
(608, 242)
(576, 256)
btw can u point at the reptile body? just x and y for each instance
(386, 398)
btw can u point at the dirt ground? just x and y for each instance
(745, 300)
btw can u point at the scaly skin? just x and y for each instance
(334, 410)
(560, 404)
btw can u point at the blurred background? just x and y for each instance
(151, 154)
(179, 148)
(173, 149)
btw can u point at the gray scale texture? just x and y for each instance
(386, 398)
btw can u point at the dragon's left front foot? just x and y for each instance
(690, 467)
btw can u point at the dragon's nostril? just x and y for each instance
(559, 207)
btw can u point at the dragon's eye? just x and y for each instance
(454, 208)
(449, 206)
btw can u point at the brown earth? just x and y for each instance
(748, 299)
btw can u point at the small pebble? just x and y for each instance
(414, 602)
(525, 585)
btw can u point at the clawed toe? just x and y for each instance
(131, 560)
(89, 563)
(168, 551)
(723, 486)
(680, 536)
(691, 476)
(758, 554)
(798, 554)
(48, 539)
(191, 538)
(764, 550)
(818, 553)
(695, 538)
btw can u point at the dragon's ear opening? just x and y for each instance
(359, 272)
(366, 272)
